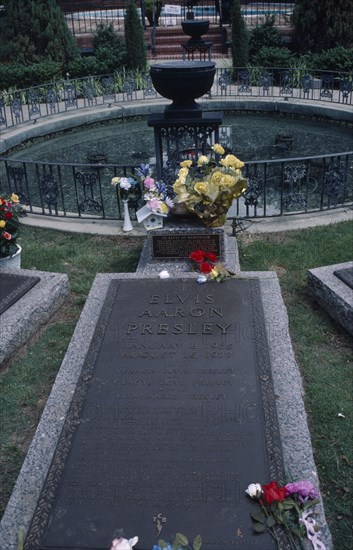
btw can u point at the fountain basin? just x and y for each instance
(195, 28)
(183, 82)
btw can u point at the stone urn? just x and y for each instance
(183, 82)
(12, 262)
(195, 29)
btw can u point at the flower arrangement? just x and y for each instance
(126, 186)
(155, 192)
(209, 186)
(206, 263)
(289, 507)
(9, 223)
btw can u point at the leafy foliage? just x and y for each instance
(322, 24)
(273, 57)
(240, 37)
(264, 36)
(32, 31)
(136, 57)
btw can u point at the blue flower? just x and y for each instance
(168, 547)
(132, 181)
(143, 171)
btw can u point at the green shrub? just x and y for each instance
(25, 76)
(240, 37)
(273, 57)
(335, 59)
(264, 36)
(136, 57)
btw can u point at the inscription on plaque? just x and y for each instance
(180, 246)
(173, 418)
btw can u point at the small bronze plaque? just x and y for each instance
(179, 246)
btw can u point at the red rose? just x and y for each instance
(6, 235)
(197, 256)
(205, 267)
(274, 493)
(8, 215)
(212, 257)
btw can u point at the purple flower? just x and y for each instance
(304, 489)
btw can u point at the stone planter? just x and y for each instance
(12, 262)
(195, 29)
(183, 82)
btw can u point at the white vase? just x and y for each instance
(12, 262)
(127, 222)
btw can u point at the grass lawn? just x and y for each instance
(323, 349)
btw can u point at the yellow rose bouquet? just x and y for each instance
(208, 187)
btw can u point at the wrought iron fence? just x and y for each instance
(83, 18)
(31, 104)
(275, 187)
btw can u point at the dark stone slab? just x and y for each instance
(13, 287)
(174, 414)
(346, 275)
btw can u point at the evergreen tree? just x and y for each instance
(35, 30)
(136, 57)
(240, 37)
(265, 35)
(322, 24)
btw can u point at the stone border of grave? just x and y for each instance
(333, 295)
(295, 436)
(24, 318)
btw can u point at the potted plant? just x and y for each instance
(153, 9)
(10, 251)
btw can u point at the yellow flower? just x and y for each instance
(214, 273)
(232, 161)
(163, 208)
(239, 187)
(186, 163)
(115, 181)
(183, 172)
(216, 178)
(203, 159)
(179, 186)
(14, 198)
(227, 180)
(201, 187)
(218, 149)
(2, 223)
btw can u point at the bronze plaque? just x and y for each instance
(173, 417)
(179, 246)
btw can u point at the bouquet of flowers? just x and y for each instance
(209, 186)
(155, 192)
(289, 507)
(207, 265)
(9, 223)
(126, 186)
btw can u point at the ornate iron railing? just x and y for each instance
(83, 18)
(275, 187)
(31, 104)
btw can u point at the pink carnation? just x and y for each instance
(149, 184)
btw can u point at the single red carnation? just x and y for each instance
(197, 256)
(210, 256)
(7, 235)
(272, 492)
(205, 267)
(8, 215)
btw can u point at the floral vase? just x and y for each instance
(127, 221)
(12, 262)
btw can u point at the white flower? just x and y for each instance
(201, 279)
(125, 184)
(164, 274)
(254, 490)
(123, 544)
